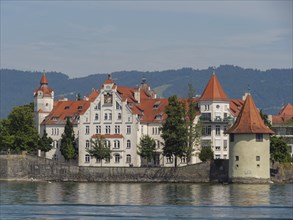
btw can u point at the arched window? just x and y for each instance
(117, 158)
(96, 116)
(119, 116)
(87, 158)
(128, 144)
(106, 116)
(128, 158)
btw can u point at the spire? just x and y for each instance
(214, 90)
(249, 120)
(44, 80)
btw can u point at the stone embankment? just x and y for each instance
(25, 167)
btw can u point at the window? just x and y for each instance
(128, 129)
(206, 130)
(257, 158)
(117, 129)
(66, 107)
(87, 144)
(98, 129)
(225, 156)
(169, 159)
(259, 137)
(108, 143)
(116, 144)
(107, 160)
(108, 129)
(142, 129)
(236, 158)
(110, 116)
(158, 144)
(207, 107)
(98, 160)
(119, 116)
(225, 145)
(79, 107)
(118, 106)
(87, 158)
(218, 130)
(87, 129)
(218, 148)
(183, 159)
(206, 116)
(55, 144)
(231, 137)
(106, 116)
(128, 158)
(128, 144)
(217, 156)
(205, 143)
(117, 158)
(96, 116)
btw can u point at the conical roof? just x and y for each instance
(214, 90)
(44, 80)
(249, 120)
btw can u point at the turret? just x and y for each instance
(43, 101)
(249, 156)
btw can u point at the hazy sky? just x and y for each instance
(86, 37)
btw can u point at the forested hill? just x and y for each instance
(270, 89)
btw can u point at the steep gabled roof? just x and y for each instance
(284, 115)
(214, 90)
(44, 80)
(249, 120)
(47, 91)
(94, 94)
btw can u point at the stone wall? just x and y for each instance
(25, 167)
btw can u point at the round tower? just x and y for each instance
(43, 102)
(249, 156)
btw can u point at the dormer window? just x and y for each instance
(79, 107)
(66, 107)
(55, 118)
(156, 105)
(158, 117)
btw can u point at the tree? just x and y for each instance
(67, 147)
(18, 132)
(265, 119)
(146, 148)
(206, 153)
(99, 149)
(45, 143)
(174, 130)
(193, 130)
(279, 150)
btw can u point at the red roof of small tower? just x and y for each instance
(44, 80)
(249, 120)
(109, 80)
(214, 90)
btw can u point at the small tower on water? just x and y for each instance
(249, 156)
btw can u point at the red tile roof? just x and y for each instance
(284, 115)
(214, 90)
(94, 94)
(64, 109)
(249, 120)
(44, 80)
(152, 110)
(107, 136)
(235, 106)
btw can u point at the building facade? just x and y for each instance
(124, 115)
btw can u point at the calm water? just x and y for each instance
(33, 200)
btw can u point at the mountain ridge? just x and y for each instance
(270, 88)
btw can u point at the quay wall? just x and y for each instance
(26, 167)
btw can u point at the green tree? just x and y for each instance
(99, 149)
(193, 130)
(146, 148)
(174, 130)
(279, 150)
(67, 147)
(18, 132)
(45, 142)
(206, 153)
(265, 119)
(6, 140)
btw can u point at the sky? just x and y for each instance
(80, 38)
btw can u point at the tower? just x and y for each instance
(249, 156)
(43, 102)
(215, 109)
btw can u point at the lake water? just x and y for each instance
(42, 200)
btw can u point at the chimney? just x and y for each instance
(137, 95)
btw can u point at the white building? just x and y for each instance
(123, 115)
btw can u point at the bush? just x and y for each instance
(206, 153)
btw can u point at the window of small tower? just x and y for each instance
(259, 137)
